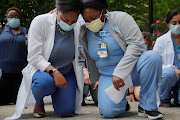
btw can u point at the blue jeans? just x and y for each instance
(169, 83)
(147, 72)
(63, 98)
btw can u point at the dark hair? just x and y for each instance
(13, 8)
(95, 4)
(147, 36)
(68, 5)
(171, 14)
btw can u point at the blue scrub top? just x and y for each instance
(63, 52)
(177, 54)
(106, 65)
(13, 50)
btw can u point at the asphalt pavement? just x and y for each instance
(171, 113)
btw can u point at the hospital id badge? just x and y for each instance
(102, 50)
(81, 56)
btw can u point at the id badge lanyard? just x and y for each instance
(81, 56)
(102, 47)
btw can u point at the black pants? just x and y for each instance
(9, 86)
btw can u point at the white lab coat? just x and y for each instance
(164, 46)
(40, 43)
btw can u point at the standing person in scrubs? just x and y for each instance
(13, 56)
(168, 47)
(114, 49)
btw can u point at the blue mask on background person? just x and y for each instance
(14, 23)
(175, 29)
(146, 47)
(64, 26)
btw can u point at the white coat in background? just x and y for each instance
(164, 46)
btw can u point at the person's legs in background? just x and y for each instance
(16, 81)
(0, 73)
(86, 92)
(94, 93)
(5, 89)
(168, 81)
(176, 94)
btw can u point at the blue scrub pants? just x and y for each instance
(147, 72)
(63, 98)
(169, 83)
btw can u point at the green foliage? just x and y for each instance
(29, 9)
(138, 9)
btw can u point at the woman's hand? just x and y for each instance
(86, 77)
(117, 82)
(96, 85)
(59, 80)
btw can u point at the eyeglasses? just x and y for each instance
(16, 17)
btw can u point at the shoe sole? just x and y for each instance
(156, 117)
(148, 116)
(39, 115)
(142, 114)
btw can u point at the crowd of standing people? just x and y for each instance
(62, 53)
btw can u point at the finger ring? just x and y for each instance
(120, 83)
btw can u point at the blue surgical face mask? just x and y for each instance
(175, 29)
(14, 23)
(64, 26)
(146, 47)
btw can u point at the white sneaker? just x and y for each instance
(89, 98)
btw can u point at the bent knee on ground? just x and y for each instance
(111, 113)
(66, 112)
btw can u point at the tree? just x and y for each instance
(139, 9)
(29, 9)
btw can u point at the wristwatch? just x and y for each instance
(85, 69)
(52, 71)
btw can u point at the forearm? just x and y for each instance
(131, 90)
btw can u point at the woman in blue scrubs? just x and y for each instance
(13, 56)
(168, 47)
(114, 49)
(52, 54)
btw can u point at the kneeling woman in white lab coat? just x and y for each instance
(168, 47)
(51, 52)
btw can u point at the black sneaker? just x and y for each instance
(150, 114)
